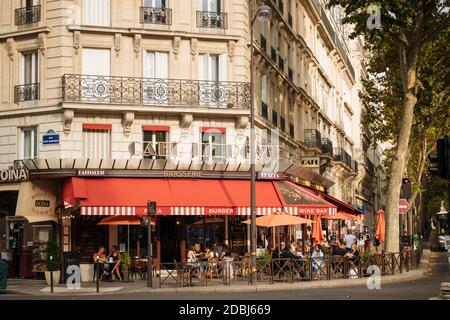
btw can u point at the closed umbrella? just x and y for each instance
(317, 233)
(380, 229)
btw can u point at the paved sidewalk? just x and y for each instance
(36, 287)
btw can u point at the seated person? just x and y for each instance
(353, 254)
(278, 252)
(338, 250)
(317, 257)
(116, 258)
(100, 257)
(192, 256)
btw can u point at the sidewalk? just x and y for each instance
(31, 287)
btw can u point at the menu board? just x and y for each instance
(238, 233)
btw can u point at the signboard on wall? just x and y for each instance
(311, 162)
(37, 201)
(51, 137)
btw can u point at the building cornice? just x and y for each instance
(26, 32)
(161, 33)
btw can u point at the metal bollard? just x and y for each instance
(98, 275)
(51, 274)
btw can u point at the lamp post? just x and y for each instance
(151, 211)
(263, 13)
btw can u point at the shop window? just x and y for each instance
(28, 143)
(156, 145)
(96, 141)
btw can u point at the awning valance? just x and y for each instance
(125, 196)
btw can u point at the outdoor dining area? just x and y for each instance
(287, 263)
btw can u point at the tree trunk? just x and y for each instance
(392, 241)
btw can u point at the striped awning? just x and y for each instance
(187, 197)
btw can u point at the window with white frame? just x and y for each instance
(161, 4)
(213, 145)
(156, 72)
(212, 67)
(211, 5)
(95, 63)
(29, 67)
(97, 12)
(97, 142)
(28, 143)
(156, 145)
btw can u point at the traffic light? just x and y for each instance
(441, 159)
(405, 191)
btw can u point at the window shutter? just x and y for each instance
(162, 65)
(223, 61)
(96, 62)
(202, 69)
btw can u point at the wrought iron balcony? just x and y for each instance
(207, 19)
(312, 138)
(156, 15)
(273, 53)
(28, 15)
(341, 155)
(264, 110)
(327, 146)
(291, 74)
(155, 92)
(26, 92)
(369, 165)
(263, 42)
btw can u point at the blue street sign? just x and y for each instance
(51, 137)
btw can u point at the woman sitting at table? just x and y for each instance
(353, 255)
(317, 258)
(115, 258)
(192, 256)
(100, 257)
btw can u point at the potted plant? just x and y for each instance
(52, 259)
(125, 265)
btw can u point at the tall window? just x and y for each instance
(213, 145)
(29, 67)
(28, 139)
(97, 12)
(212, 67)
(211, 5)
(155, 144)
(155, 3)
(96, 62)
(264, 107)
(156, 73)
(96, 141)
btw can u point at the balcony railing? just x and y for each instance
(327, 146)
(369, 165)
(156, 15)
(26, 92)
(263, 42)
(264, 110)
(28, 15)
(207, 19)
(156, 92)
(342, 156)
(273, 54)
(313, 138)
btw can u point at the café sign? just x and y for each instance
(311, 162)
(13, 175)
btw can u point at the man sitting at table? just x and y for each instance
(100, 257)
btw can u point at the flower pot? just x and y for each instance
(56, 277)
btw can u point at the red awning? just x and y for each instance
(341, 206)
(125, 196)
